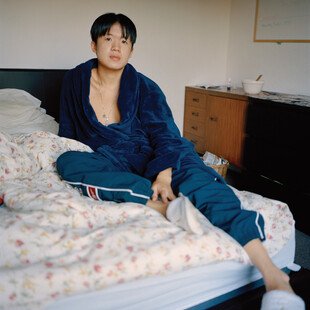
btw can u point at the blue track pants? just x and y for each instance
(97, 177)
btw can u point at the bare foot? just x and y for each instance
(158, 205)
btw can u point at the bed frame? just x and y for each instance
(44, 84)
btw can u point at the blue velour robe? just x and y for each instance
(145, 141)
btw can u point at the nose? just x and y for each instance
(115, 47)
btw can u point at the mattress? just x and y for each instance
(197, 288)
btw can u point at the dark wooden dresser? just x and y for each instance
(276, 148)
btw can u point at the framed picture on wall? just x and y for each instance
(282, 21)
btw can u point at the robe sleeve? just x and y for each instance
(66, 113)
(157, 121)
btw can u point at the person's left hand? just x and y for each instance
(162, 187)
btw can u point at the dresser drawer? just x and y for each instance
(278, 162)
(199, 142)
(195, 114)
(197, 100)
(195, 128)
(278, 123)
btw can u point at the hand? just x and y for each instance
(162, 187)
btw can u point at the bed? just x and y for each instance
(61, 250)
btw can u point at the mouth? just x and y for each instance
(115, 57)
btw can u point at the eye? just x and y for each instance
(124, 41)
(107, 38)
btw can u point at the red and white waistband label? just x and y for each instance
(92, 192)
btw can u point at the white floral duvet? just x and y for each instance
(55, 242)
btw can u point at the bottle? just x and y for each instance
(229, 84)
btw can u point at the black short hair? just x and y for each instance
(103, 24)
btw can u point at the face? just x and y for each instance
(113, 50)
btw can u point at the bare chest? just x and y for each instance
(104, 104)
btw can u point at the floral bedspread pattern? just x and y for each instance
(55, 242)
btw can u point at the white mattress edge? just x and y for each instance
(176, 291)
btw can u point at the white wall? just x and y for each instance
(285, 67)
(180, 42)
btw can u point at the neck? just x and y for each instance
(109, 78)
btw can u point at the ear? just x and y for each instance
(93, 46)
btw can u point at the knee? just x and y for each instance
(65, 155)
(65, 160)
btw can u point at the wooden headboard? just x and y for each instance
(44, 84)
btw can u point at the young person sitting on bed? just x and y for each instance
(139, 155)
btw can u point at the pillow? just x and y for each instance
(18, 96)
(20, 112)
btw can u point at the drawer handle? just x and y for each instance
(194, 141)
(196, 100)
(213, 118)
(194, 127)
(195, 113)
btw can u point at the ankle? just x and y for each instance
(278, 280)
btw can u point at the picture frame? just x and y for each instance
(282, 21)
